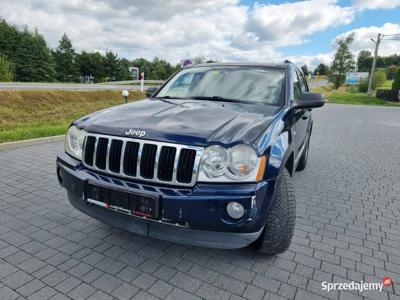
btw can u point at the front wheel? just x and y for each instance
(279, 228)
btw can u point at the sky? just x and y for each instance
(227, 30)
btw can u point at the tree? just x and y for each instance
(33, 60)
(305, 70)
(8, 39)
(6, 73)
(159, 69)
(123, 70)
(391, 71)
(396, 82)
(111, 65)
(322, 69)
(65, 61)
(92, 64)
(364, 61)
(342, 62)
(199, 60)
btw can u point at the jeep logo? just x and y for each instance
(135, 132)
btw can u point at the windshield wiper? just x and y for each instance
(218, 98)
(168, 97)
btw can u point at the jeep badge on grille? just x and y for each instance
(135, 132)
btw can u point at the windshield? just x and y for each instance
(248, 84)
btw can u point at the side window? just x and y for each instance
(296, 85)
(302, 81)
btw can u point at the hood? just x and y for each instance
(192, 122)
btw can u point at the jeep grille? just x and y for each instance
(141, 159)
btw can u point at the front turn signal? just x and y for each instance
(261, 168)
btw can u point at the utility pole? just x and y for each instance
(377, 42)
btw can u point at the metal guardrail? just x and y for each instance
(135, 82)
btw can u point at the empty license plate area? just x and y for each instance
(132, 203)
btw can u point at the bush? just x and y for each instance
(388, 95)
(6, 73)
(379, 78)
(363, 86)
(396, 82)
(391, 71)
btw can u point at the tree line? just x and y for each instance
(25, 56)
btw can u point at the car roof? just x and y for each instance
(242, 64)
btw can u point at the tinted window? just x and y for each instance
(302, 81)
(254, 84)
(296, 85)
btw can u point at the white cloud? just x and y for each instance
(174, 29)
(376, 4)
(363, 36)
(289, 23)
(312, 61)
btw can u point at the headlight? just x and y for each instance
(74, 142)
(239, 163)
(215, 160)
(243, 160)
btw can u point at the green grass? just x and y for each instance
(387, 84)
(350, 95)
(34, 114)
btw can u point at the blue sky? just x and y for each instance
(226, 30)
(320, 42)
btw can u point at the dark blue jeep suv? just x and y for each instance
(206, 160)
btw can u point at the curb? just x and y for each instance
(32, 142)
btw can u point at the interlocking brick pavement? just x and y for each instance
(348, 204)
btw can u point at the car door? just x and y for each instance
(301, 116)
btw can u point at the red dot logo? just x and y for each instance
(387, 281)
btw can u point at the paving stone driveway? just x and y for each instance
(348, 204)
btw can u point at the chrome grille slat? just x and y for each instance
(121, 163)
(140, 143)
(108, 155)
(156, 160)
(139, 159)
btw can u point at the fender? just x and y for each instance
(278, 147)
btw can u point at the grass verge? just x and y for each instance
(33, 114)
(350, 95)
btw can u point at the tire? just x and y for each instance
(279, 228)
(304, 158)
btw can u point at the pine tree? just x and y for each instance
(33, 60)
(65, 61)
(342, 62)
(111, 64)
(6, 73)
(8, 39)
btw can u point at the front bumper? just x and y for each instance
(194, 216)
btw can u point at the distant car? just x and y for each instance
(206, 160)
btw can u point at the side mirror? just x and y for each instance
(310, 100)
(151, 90)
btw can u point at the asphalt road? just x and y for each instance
(312, 84)
(347, 229)
(66, 86)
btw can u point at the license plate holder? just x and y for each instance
(128, 202)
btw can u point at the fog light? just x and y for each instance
(235, 210)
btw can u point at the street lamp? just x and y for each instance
(125, 94)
